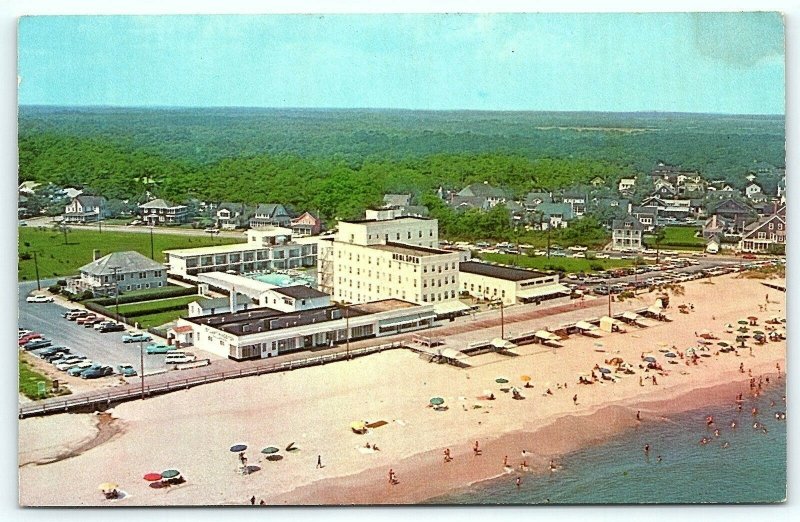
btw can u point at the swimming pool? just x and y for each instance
(277, 279)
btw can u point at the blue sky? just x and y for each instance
(722, 63)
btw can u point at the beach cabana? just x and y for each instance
(656, 312)
(454, 357)
(609, 324)
(588, 329)
(545, 337)
(502, 344)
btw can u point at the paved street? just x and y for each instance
(103, 348)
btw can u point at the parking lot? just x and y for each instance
(103, 348)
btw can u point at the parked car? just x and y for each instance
(39, 299)
(72, 316)
(22, 333)
(101, 324)
(88, 317)
(127, 370)
(136, 337)
(29, 337)
(178, 357)
(71, 310)
(52, 351)
(37, 343)
(69, 362)
(89, 323)
(79, 368)
(155, 348)
(748, 256)
(112, 327)
(96, 373)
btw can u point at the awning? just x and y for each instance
(449, 353)
(547, 336)
(655, 309)
(404, 320)
(450, 307)
(631, 316)
(541, 291)
(583, 325)
(502, 343)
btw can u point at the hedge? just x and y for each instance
(158, 293)
(151, 311)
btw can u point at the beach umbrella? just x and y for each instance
(742, 329)
(358, 426)
(152, 477)
(758, 332)
(742, 322)
(437, 401)
(501, 380)
(238, 448)
(650, 359)
(752, 318)
(722, 343)
(170, 474)
(670, 354)
(604, 370)
(524, 378)
(107, 486)
(703, 341)
(269, 450)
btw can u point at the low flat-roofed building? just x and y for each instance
(295, 298)
(266, 332)
(509, 285)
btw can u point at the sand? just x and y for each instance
(313, 407)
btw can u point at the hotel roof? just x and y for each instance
(300, 292)
(411, 250)
(499, 271)
(399, 218)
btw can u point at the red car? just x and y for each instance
(30, 337)
(748, 256)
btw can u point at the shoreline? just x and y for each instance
(596, 427)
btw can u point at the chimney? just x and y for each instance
(95, 254)
(233, 299)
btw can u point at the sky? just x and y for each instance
(703, 62)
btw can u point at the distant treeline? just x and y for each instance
(339, 161)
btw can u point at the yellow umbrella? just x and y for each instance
(107, 486)
(358, 426)
(524, 378)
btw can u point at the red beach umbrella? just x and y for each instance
(152, 477)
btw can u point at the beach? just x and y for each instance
(313, 408)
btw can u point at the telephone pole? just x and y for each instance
(116, 290)
(152, 252)
(36, 266)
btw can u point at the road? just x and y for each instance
(103, 348)
(48, 222)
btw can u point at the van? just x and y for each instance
(74, 315)
(178, 357)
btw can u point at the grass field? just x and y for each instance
(568, 264)
(158, 315)
(678, 237)
(58, 260)
(29, 381)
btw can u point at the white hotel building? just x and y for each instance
(388, 257)
(269, 248)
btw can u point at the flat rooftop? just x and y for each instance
(300, 292)
(218, 249)
(411, 250)
(268, 319)
(499, 272)
(399, 218)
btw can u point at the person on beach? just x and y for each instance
(638, 415)
(476, 449)
(447, 457)
(505, 461)
(262, 503)
(575, 399)
(552, 465)
(655, 382)
(319, 461)
(518, 481)
(778, 367)
(741, 367)
(253, 500)
(523, 466)
(392, 477)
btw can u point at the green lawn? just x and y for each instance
(568, 264)
(154, 306)
(29, 381)
(157, 319)
(678, 237)
(58, 260)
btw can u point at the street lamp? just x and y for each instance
(347, 330)
(141, 363)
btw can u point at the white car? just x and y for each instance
(39, 299)
(69, 362)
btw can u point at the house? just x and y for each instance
(597, 181)
(768, 234)
(479, 195)
(626, 234)
(690, 184)
(664, 189)
(713, 244)
(119, 272)
(671, 173)
(752, 189)
(626, 185)
(415, 211)
(697, 207)
(576, 201)
(647, 216)
(553, 215)
(230, 216)
(716, 226)
(219, 305)
(85, 209)
(270, 214)
(397, 200)
(306, 224)
(735, 212)
(534, 199)
(162, 212)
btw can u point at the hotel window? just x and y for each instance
(420, 233)
(780, 226)
(430, 233)
(771, 226)
(398, 236)
(415, 283)
(409, 234)
(424, 298)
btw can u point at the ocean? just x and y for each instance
(751, 469)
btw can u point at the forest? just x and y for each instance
(337, 162)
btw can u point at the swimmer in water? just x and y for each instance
(716, 432)
(658, 459)
(552, 466)
(704, 441)
(725, 445)
(646, 449)
(733, 424)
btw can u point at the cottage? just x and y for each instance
(270, 214)
(626, 234)
(554, 215)
(479, 195)
(119, 271)
(626, 185)
(752, 189)
(306, 224)
(768, 234)
(735, 212)
(230, 216)
(162, 212)
(647, 216)
(86, 209)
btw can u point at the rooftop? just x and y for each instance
(411, 250)
(300, 292)
(499, 271)
(216, 249)
(401, 218)
(383, 305)
(123, 262)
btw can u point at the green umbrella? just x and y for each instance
(722, 343)
(501, 380)
(170, 473)
(438, 401)
(758, 332)
(269, 450)
(743, 322)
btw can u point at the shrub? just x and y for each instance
(25, 256)
(61, 282)
(86, 294)
(149, 295)
(55, 289)
(596, 266)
